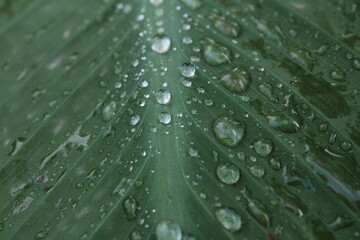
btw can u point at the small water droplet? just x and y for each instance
(237, 80)
(263, 147)
(193, 152)
(258, 211)
(16, 146)
(168, 230)
(257, 171)
(136, 235)
(41, 235)
(356, 64)
(215, 53)
(227, 27)
(345, 146)
(228, 131)
(160, 43)
(165, 118)
(163, 96)
(156, 2)
(338, 75)
(275, 163)
(228, 173)
(109, 111)
(228, 218)
(193, 4)
(188, 70)
(134, 120)
(267, 90)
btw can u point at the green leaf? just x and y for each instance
(189, 119)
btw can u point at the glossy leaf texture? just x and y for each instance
(179, 119)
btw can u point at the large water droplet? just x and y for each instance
(215, 53)
(109, 111)
(228, 173)
(237, 80)
(285, 121)
(164, 118)
(163, 96)
(161, 43)
(263, 147)
(228, 131)
(188, 70)
(193, 4)
(130, 206)
(168, 230)
(228, 218)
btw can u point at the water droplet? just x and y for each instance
(237, 80)
(228, 173)
(228, 218)
(258, 211)
(257, 171)
(160, 43)
(156, 2)
(303, 58)
(286, 122)
(193, 152)
(275, 163)
(356, 64)
(168, 230)
(338, 75)
(228, 131)
(267, 90)
(345, 146)
(163, 96)
(134, 120)
(193, 4)
(136, 235)
(340, 223)
(109, 111)
(187, 40)
(130, 206)
(188, 70)
(227, 27)
(186, 82)
(16, 146)
(165, 118)
(41, 235)
(215, 53)
(263, 147)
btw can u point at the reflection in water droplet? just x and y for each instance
(228, 173)
(168, 230)
(163, 96)
(188, 70)
(193, 4)
(237, 80)
(227, 27)
(228, 131)
(215, 53)
(228, 218)
(165, 118)
(160, 43)
(109, 111)
(263, 147)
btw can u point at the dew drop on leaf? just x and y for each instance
(345, 146)
(267, 90)
(338, 75)
(156, 2)
(160, 43)
(130, 206)
(257, 171)
(227, 27)
(41, 235)
(188, 70)
(192, 4)
(163, 96)
(258, 211)
(263, 147)
(228, 131)
(164, 118)
(16, 145)
(134, 119)
(237, 80)
(228, 173)
(228, 218)
(275, 163)
(136, 235)
(109, 111)
(285, 121)
(356, 64)
(215, 53)
(168, 230)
